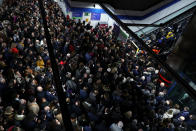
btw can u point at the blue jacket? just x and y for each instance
(185, 114)
(83, 94)
(87, 128)
(87, 57)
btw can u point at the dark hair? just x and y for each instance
(31, 99)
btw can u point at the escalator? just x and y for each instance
(181, 14)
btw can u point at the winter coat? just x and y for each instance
(40, 63)
(34, 107)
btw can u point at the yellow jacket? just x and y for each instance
(40, 63)
(169, 35)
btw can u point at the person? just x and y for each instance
(33, 106)
(116, 127)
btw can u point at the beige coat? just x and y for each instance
(34, 107)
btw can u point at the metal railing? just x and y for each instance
(165, 20)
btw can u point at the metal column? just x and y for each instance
(58, 84)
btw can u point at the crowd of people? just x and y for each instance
(163, 39)
(107, 86)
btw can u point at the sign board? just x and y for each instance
(86, 14)
(77, 15)
(95, 16)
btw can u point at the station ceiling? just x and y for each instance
(134, 5)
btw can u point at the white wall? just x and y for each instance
(108, 19)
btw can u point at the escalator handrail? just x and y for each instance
(169, 21)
